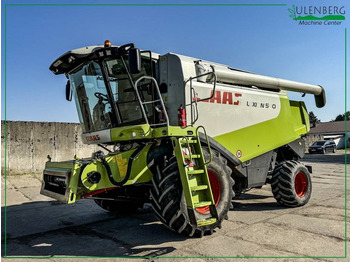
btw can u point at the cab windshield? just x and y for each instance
(111, 102)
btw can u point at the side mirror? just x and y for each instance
(134, 60)
(69, 92)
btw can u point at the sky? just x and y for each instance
(260, 39)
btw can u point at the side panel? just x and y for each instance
(255, 140)
(258, 168)
(119, 164)
(233, 108)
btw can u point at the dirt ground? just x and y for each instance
(38, 227)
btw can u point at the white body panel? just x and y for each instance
(232, 108)
(103, 136)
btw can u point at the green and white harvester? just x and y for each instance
(181, 133)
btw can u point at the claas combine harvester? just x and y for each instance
(183, 134)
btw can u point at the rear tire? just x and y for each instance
(169, 203)
(291, 184)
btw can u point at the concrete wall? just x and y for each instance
(29, 143)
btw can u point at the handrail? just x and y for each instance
(193, 98)
(194, 116)
(153, 101)
(206, 137)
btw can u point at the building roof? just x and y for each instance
(337, 127)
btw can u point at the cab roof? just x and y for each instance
(75, 57)
(72, 58)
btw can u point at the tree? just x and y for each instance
(313, 119)
(342, 117)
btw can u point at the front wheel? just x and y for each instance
(169, 203)
(291, 184)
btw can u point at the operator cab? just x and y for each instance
(102, 79)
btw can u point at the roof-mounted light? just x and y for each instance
(108, 43)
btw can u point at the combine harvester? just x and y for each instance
(187, 136)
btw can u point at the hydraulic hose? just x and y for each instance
(99, 155)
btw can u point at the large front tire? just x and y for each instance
(291, 184)
(168, 200)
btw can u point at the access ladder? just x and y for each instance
(194, 178)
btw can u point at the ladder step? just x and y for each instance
(193, 156)
(184, 141)
(202, 204)
(150, 102)
(206, 222)
(159, 124)
(197, 188)
(195, 172)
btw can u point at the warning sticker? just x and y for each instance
(122, 164)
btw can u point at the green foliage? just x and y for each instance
(342, 117)
(313, 119)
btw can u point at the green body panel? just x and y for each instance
(118, 162)
(139, 132)
(131, 133)
(255, 140)
(119, 165)
(175, 131)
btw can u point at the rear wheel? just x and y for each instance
(291, 184)
(168, 200)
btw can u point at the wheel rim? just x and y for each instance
(301, 184)
(216, 190)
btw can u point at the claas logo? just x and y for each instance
(93, 138)
(224, 98)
